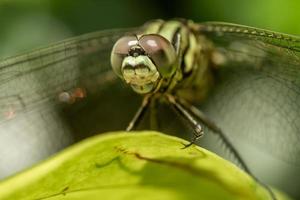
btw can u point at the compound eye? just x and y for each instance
(120, 51)
(161, 52)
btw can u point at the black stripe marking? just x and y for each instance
(175, 38)
(161, 27)
(182, 64)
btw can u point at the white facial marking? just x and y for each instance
(132, 42)
(152, 43)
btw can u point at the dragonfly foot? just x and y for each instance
(187, 145)
(193, 140)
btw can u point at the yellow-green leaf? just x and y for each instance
(139, 165)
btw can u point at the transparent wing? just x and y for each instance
(33, 78)
(55, 95)
(257, 93)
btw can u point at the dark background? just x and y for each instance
(30, 24)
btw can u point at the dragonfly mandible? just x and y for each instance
(220, 67)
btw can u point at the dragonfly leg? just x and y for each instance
(154, 123)
(198, 131)
(211, 125)
(139, 114)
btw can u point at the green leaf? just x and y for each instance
(138, 165)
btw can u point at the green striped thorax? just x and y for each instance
(147, 60)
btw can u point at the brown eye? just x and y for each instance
(161, 51)
(120, 51)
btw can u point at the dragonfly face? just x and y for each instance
(143, 61)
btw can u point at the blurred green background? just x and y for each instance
(29, 24)
(26, 24)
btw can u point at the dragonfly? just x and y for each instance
(211, 74)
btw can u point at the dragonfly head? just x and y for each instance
(143, 61)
